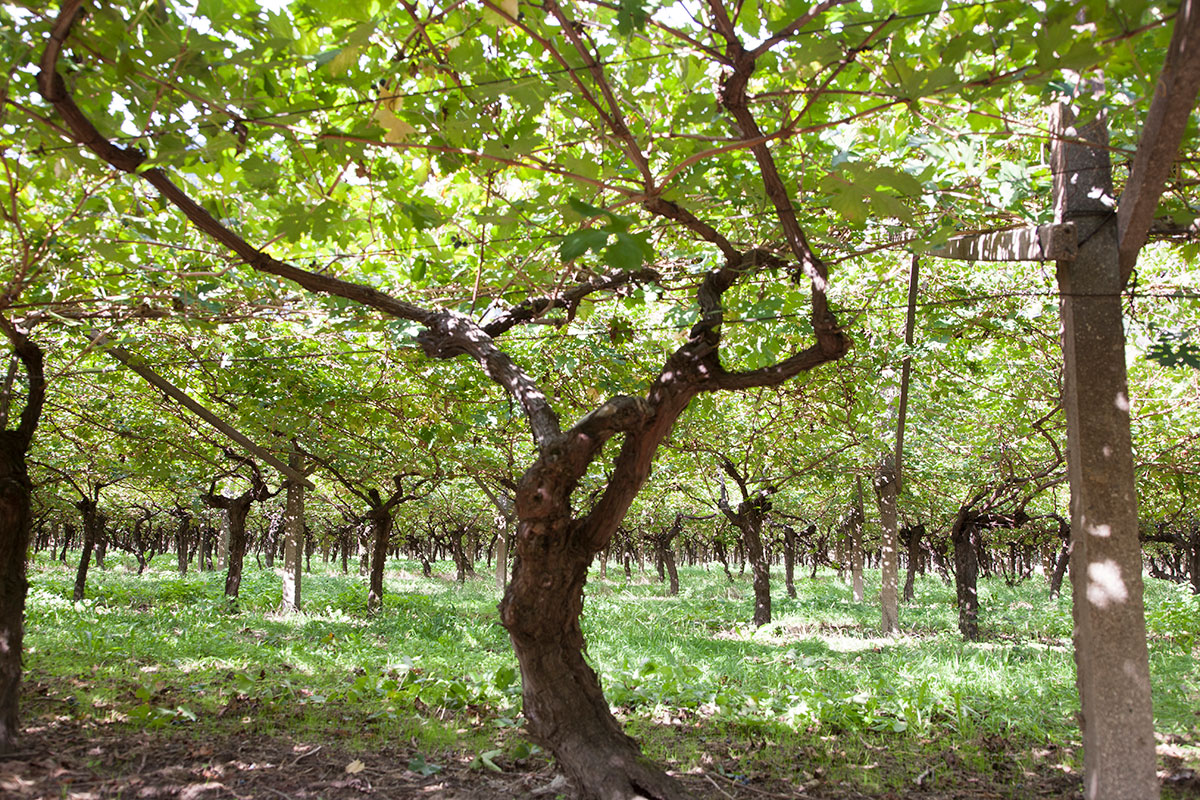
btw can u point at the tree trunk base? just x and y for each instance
(624, 774)
(12, 600)
(565, 708)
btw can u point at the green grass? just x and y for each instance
(816, 691)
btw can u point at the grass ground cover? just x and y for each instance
(815, 701)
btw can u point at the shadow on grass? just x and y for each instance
(817, 695)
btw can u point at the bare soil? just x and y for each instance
(65, 759)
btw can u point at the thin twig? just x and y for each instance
(750, 788)
(305, 755)
(718, 787)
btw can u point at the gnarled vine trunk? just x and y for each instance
(789, 560)
(967, 536)
(237, 512)
(857, 556)
(760, 568)
(664, 553)
(233, 520)
(721, 554)
(563, 701)
(182, 531)
(463, 565)
(15, 523)
(748, 517)
(912, 540)
(93, 522)
(966, 574)
(566, 709)
(380, 520)
(15, 517)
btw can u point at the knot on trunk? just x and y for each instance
(621, 413)
(760, 257)
(537, 498)
(448, 335)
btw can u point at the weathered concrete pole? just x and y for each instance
(887, 489)
(857, 519)
(223, 542)
(293, 537)
(1112, 663)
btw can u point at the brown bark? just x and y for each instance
(564, 706)
(346, 539)
(236, 509)
(1063, 559)
(426, 552)
(1181, 563)
(817, 548)
(15, 522)
(857, 557)
(463, 566)
(664, 553)
(672, 573)
(965, 537)
(748, 517)
(1194, 563)
(721, 554)
(138, 543)
(789, 560)
(181, 539)
(15, 516)
(101, 549)
(761, 570)
(912, 539)
(68, 538)
(380, 520)
(93, 523)
(205, 545)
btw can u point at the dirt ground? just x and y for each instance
(62, 760)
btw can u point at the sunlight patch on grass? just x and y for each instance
(435, 667)
(842, 644)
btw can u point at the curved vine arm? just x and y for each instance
(734, 99)
(568, 299)
(32, 360)
(447, 334)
